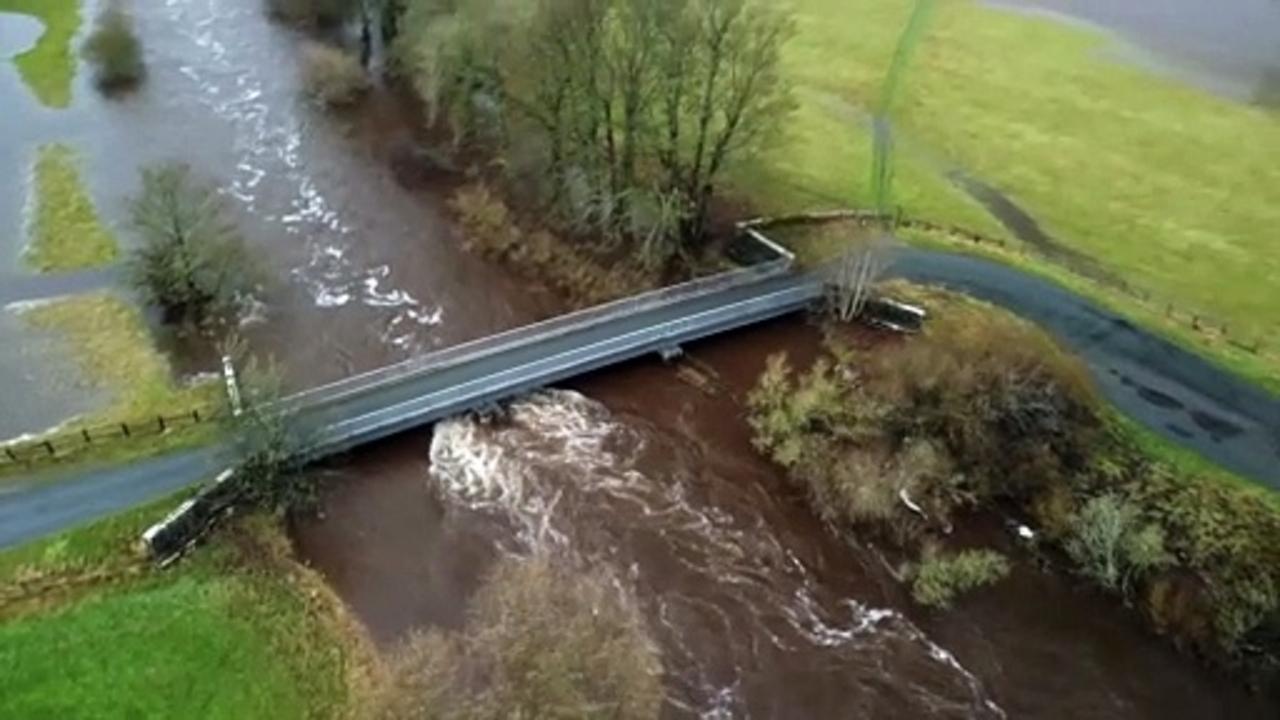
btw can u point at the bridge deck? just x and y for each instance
(368, 407)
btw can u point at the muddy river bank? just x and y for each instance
(760, 610)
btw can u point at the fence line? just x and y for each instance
(62, 443)
(1199, 322)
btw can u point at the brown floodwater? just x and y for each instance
(760, 610)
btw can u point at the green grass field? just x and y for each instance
(1160, 183)
(50, 66)
(109, 340)
(67, 233)
(237, 630)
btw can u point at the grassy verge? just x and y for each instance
(239, 629)
(983, 409)
(66, 233)
(1146, 176)
(815, 244)
(50, 66)
(110, 342)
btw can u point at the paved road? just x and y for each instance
(1170, 390)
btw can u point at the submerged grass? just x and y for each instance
(66, 233)
(49, 67)
(1162, 184)
(237, 630)
(110, 342)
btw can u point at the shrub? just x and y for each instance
(941, 577)
(814, 426)
(785, 411)
(332, 76)
(114, 50)
(267, 443)
(1113, 545)
(542, 640)
(190, 261)
(1228, 535)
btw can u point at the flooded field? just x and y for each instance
(760, 610)
(1228, 47)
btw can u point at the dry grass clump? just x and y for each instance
(332, 76)
(543, 641)
(490, 227)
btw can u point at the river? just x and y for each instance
(758, 608)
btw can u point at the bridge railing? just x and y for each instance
(545, 329)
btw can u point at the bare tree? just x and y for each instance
(629, 99)
(859, 268)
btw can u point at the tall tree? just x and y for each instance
(636, 106)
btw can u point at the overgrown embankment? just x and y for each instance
(984, 410)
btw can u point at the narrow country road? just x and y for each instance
(1172, 391)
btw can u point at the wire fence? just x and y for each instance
(1250, 340)
(68, 442)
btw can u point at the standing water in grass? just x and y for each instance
(1228, 46)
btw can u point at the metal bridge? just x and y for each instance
(474, 375)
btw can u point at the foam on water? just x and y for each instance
(723, 593)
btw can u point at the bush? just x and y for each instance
(542, 640)
(1228, 536)
(190, 262)
(1113, 545)
(982, 407)
(267, 443)
(332, 76)
(114, 50)
(816, 427)
(941, 577)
